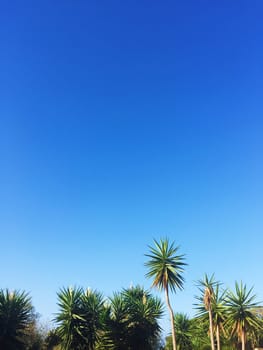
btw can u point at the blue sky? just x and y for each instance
(124, 121)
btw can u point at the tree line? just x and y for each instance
(130, 319)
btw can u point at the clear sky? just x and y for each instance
(124, 121)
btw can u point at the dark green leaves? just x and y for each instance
(133, 322)
(16, 313)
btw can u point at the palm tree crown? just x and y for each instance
(16, 313)
(242, 318)
(79, 318)
(165, 266)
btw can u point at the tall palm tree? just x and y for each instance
(242, 318)
(166, 268)
(206, 287)
(16, 314)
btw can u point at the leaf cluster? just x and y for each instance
(16, 314)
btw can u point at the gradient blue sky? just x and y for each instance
(124, 121)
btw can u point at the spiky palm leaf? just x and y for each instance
(241, 316)
(70, 318)
(16, 313)
(144, 312)
(79, 318)
(184, 333)
(133, 321)
(165, 266)
(92, 305)
(116, 325)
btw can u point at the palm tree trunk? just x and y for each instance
(218, 337)
(171, 318)
(211, 328)
(243, 340)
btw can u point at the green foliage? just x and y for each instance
(183, 326)
(79, 318)
(165, 266)
(92, 305)
(16, 314)
(133, 320)
(199, 332)
(144, 311)
(116, 324)
(128, 321)
(205, 347)
(241, 312)
(52, 340)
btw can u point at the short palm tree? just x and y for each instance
(16, 314)
(183, 327)
(144, 312)
(79, 318)
(133, 321)
(166, 267)
(207, 299)
(241, 316)
(116, 324)
(92, 305)
(70, 318)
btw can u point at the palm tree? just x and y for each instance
(92, 305)
(242, 318)
(183, 327)
(116, 324)
(133, 322)
(144, 311)
(166, 268)
(79, 318)
(207, 299)
(16, 314)
(69, 318)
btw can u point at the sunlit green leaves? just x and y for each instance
(165, 265)
(79, 318)
(241, 311)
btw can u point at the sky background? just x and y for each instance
(125, 121)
